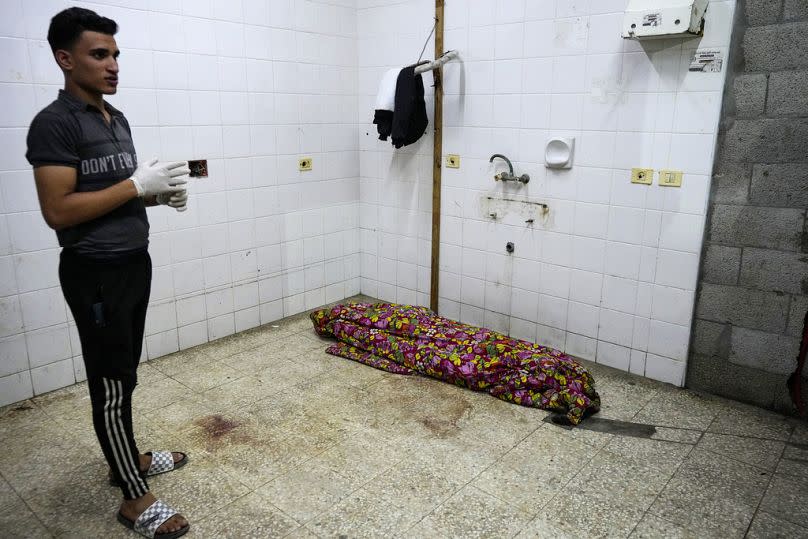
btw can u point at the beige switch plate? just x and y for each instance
(304, 163)
(453, 160)
(670, 178)
(644, 176)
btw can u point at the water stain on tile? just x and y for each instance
(220, 431)
(446, 426)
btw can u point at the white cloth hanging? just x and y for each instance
(386, 97)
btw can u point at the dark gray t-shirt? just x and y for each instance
(70, 132)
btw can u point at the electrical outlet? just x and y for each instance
(644, 176)
(670, 178)
(453, 160)
(304, 163)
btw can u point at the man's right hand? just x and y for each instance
(152, 178)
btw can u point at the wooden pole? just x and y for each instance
(437, 154)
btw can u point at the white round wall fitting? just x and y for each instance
(558, 152)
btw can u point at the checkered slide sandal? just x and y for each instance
(161, 462)
(151, 519)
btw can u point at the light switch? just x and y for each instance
(670, 178)
(644, 176)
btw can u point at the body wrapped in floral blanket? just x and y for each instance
(413, 340)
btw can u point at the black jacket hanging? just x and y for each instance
(409, 114)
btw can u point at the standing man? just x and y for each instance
(94, 194)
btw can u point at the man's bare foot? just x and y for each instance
(132, 509)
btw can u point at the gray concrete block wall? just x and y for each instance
(753, 285)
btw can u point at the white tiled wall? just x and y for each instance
(609, 275)
(251, 86)
(395, 213)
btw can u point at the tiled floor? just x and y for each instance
(287, 441)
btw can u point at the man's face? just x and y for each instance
(92, 63)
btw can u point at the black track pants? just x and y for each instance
(108, 300)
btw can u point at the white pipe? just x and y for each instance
(435, 64)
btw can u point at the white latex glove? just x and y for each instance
(178, 200)
(154, 178)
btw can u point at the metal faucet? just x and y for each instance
(508, 176)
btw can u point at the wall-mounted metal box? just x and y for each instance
(654, 19)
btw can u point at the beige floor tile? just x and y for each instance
(225, 347)
(17, 522)
(198, 489)
(415, 486)
(448, 415)
(465, 459)
(151, 434)
(761, 453)
(590, 437)
(20, 416)
(311, 433)
(283, 373)
(473, 513)
(666, 456)
(361, 457)
(241, 393)
(767, 526)
(622, 396)
(301, 533)
(176, 364)
(794, 464)
(253, 360)
(207, 376)
(787, 499)
(306, 491)
(362, 514)
(28, 468)
(712, 494)
(529, 475)
(549, 528)
(685, 436)
(7, 494)
(356, 374)
(179, 416)
(65, 402)
(243, 448)
(800, 435)
(622, 480)
(594, 515)
(159, 394)
(655, 527)
(82, 500)
(250, 516)
(674, 407)
(744, 420)
(305, 340)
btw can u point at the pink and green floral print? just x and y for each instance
(405, 339)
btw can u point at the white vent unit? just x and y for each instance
(655, 19)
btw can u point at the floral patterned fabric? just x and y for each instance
(413, 340)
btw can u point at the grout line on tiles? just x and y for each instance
(473, 478)
(768, 486)
(679, 467)
(25, 502)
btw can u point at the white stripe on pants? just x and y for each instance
(116, 433)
